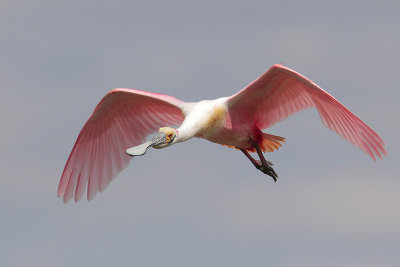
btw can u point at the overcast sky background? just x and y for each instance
(197, 203)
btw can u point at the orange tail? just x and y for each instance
(268, 144)
(271, 142)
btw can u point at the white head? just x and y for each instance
(166, 136)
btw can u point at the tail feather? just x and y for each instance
(269, 143)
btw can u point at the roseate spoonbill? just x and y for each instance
(124, 117)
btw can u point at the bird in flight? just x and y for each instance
(120, 123)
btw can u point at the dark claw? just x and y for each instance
(264, 166)
(267, 169)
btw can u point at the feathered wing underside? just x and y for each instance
(122, 119)
(281, 92)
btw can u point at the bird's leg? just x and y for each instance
(266, 164)
(263, 165)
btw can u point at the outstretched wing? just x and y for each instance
(281, 92)
(122, 119)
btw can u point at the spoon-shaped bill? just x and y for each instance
(140, 150)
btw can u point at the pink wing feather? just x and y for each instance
(122, 119)
(281, 92)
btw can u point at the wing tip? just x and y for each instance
(66, 199)
(382, 152)
(60, 193)
(77, 197)
(90, 196)
(377, 154)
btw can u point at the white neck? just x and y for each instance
(202, 115)
(183, 134)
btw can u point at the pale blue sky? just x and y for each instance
(197, 203)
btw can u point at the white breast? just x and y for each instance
(203, 118)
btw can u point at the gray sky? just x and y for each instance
(203, 204)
